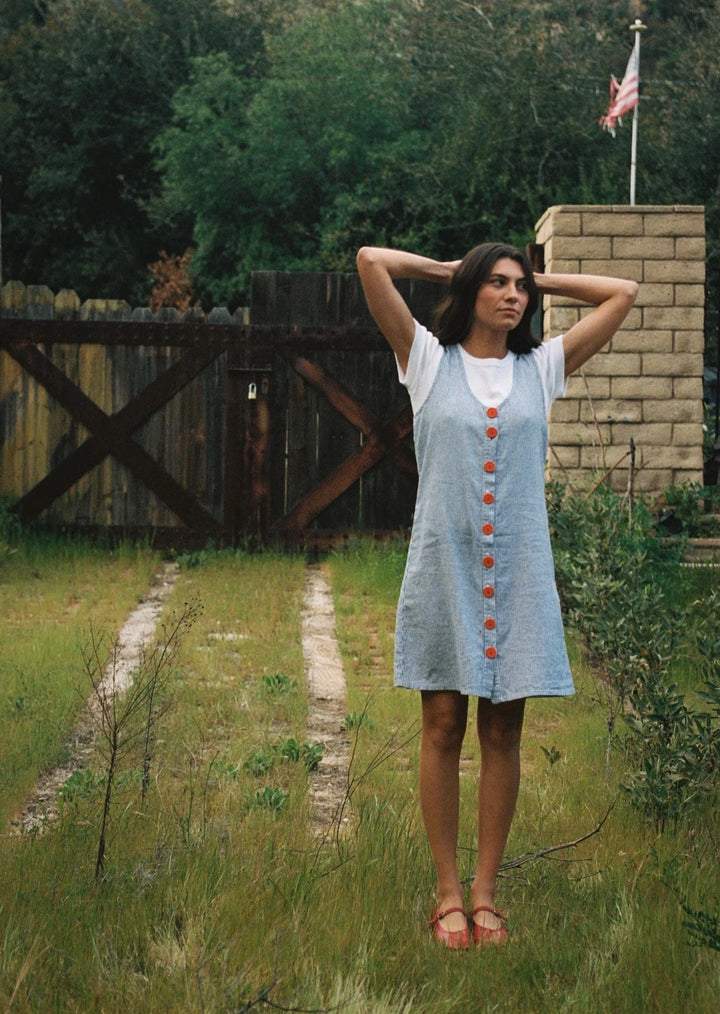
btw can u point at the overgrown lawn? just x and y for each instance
(216, 896)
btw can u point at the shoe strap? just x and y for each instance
(487, 908)
(448, 911)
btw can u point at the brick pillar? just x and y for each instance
(647, 384)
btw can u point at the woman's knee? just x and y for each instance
(500, 725)
(444, 719)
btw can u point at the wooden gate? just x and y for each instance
(341, 424)
(304, 410)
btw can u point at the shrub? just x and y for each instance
(682, 512)
(613, 574)
(618, 583)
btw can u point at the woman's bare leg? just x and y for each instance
(499, 729)
(443, 729)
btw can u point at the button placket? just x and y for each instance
(488, 531)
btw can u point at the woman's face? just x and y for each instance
(503, 297)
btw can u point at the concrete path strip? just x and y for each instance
(326, 698)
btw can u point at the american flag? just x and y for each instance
(624, 96)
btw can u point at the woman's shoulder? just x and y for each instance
(426, 354)
(547, 349)
(549, 358)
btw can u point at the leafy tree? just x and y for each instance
(83, 97)
(260, 163)
(435, 125)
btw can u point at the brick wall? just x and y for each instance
(647, 384)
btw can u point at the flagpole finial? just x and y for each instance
(637, 26)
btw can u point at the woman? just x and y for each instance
(479, 613)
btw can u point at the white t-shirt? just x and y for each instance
(490, 380)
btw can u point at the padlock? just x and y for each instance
(252, 392)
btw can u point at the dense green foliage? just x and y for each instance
(620, 583)
(285, 133)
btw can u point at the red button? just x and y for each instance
(491, 652)
(491, 432)
(489, 466)
(488, 498)
(488, 591)
(492, 413)
(489, 623)
(488, 561)
(488, 528)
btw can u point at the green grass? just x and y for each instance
(51, 594)
(213, 901)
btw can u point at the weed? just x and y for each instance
(221, 768)
(278, 683)
(196, 558)
(703, 927)
(126, 715)
(81, 783)
(261, 761)
(269, 798)
(356, 720)
(311, 755)
(289, 750)
(553, 755)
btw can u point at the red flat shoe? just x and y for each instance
(455, 940)
(483, 934)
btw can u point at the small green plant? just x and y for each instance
(221, 768)
(193, 558)
(269, 798)
(553, 755)
(278, 683)
(80, 784)
(703, 927)
(260, 762)
(289, 750)
(356, 720)
(312, 754)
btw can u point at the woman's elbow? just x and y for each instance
(631, 291)
(364, 257)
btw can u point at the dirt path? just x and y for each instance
(42, 805)
(326, 698)
(326, 701)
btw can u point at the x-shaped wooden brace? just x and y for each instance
(383, 439)
(111, 434)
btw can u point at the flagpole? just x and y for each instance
(636, 27)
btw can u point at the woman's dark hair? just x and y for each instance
(454, 317)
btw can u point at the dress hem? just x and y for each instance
(498, 699)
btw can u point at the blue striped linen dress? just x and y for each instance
(479, 611)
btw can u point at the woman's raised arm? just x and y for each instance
(379, 268)
(612, 298)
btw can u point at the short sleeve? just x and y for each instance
(425, 356)
(550, 360)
